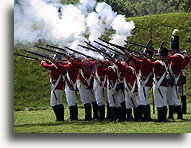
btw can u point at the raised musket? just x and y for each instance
(38, 54)
(143, 46)
(50, 50)
(121, 47)
(116, 51)
(70, 50)
(98, 50)
(87, 48)
(25, 56)
(80, 53)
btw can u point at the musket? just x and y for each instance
(116, 51)
(80, 53)
(90, 49)
(98, 50)
(50, 50)
(37, 53)
(121, 47)
(162, 44)
(29, 57)
(136, 44)
(87, 48)
(70, 50)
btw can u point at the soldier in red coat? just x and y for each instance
(177, 62)
(160, 68)
(131, 91)
(56, 82)
(99, 82)
(112, 81)
(85, 86)
(182, 82)
(70, 73)
(144, 81)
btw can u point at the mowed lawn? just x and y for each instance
(43, 121)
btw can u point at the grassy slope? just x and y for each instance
(43, 122)
(31, 80)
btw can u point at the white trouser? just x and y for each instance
(56, 97)
(131, 100)
(121, 96)
(172, 96)
(70, 96)
(99, 93)
(159, 100)
(85, 93)
(143, 94)
(112, 98)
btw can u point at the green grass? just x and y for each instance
(43, 121)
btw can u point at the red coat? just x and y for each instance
(159, 70)
(55, 73)
(186, 61)
(72, 69)
(111, 73)
(176, 63)
(145, 69)
(130, 74)
(87, 68)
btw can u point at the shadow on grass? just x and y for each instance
(78, 122)
(93, 122)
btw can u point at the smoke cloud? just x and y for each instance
(68, 25)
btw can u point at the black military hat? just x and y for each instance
(147, 51)
(162, 52)
(174, 41)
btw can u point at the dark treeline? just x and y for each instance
(131, 8)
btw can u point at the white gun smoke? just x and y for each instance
(40, 19)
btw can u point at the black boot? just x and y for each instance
(164, 113)
(119, 113)
(123, 110)
(184, 106)
(160, 114)
(95, 110)
(88, 114)
(135, 112)
(149, 113)
(76, 112)
(101, 110)
(108, 117)
(113, 114)
(73, 112)
(55, 109)
(145, 113)
(171, 111)
(139, 112)
(60, 112)
(129, 115)
(179, 111)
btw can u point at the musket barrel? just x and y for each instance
(36, 53)
(121, 47)
(143, 46)
(98, 50)
(34, 58)
(118, 52)
(50, 50)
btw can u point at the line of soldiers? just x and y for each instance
(126, 79)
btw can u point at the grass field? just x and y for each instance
(43, 121)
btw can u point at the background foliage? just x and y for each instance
(144, 7)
